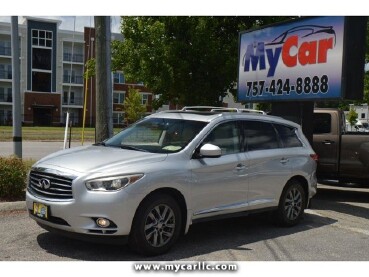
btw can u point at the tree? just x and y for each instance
(134, 110)
(90, 68)
(352, 117)
(187, 60)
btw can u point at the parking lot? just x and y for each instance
(336, 229)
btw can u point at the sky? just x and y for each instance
(84, 11)
(67, 8)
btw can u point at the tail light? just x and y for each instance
(315, 157)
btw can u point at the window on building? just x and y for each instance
(2, 94)
(71, 76)
(77, 54)
(5, 117)
(5, 48)
(118, 78)
(68, 100)
(73, 117)
(145, 98)
(41, 58)
(42, 38)
(71, 97)
(41, 81)
(118, 118)
(65, 97)
(42, 43)
(6, 94)
(363, 116)
(6, 71)
(118, 97)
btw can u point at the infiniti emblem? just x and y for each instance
(44, 183)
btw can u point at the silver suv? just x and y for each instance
(149, 183)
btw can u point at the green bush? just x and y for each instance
(13, 175)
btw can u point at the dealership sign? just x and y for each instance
(299, 60)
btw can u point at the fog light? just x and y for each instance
(102, 222)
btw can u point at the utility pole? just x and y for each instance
(109, 81)
(104, 123)
(17, 114)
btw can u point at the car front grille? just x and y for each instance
(50, 186)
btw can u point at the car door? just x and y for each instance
(268, 166)
(326, 143)
(220, 183)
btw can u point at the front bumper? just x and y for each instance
(114, 240)
(79, 215)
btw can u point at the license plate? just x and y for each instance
(40, 210)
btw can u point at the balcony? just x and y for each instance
(76, 58)
(68, 79)
(5, 51)
(76, 101)
(6, 98)
(5, 74)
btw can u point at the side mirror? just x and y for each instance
(210, 151)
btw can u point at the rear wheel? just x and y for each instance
(291, 204)
(156, 226)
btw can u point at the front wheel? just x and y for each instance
(156, 225)
(291, 204)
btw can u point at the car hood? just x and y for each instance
(97, 158)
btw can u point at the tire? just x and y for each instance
(156, 226)
(291, 204)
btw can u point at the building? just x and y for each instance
(362, 123)
(52, 63)
(362, 112)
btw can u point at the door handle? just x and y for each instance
(327, 142)
(284, 160)
(240, 167)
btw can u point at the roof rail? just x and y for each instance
(199, 108)
(220, 109)
(236, 110)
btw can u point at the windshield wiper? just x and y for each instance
(130, 147)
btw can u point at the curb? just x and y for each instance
(13, 206)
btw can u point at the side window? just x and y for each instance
(226, 136)
(288, 136)
(260, 136)
(322, 123)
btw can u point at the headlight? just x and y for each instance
(112, 183)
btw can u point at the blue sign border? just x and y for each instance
(296, 60)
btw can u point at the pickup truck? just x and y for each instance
(343, 155)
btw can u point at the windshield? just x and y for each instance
(157, 135)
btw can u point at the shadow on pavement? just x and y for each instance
(203, 238)
(343, 199)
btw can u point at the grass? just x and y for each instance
(48, 133)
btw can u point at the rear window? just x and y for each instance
(322, 123)
(288, 136)
(260, 136)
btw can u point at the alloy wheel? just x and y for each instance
(159, 225)
(293, 204)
